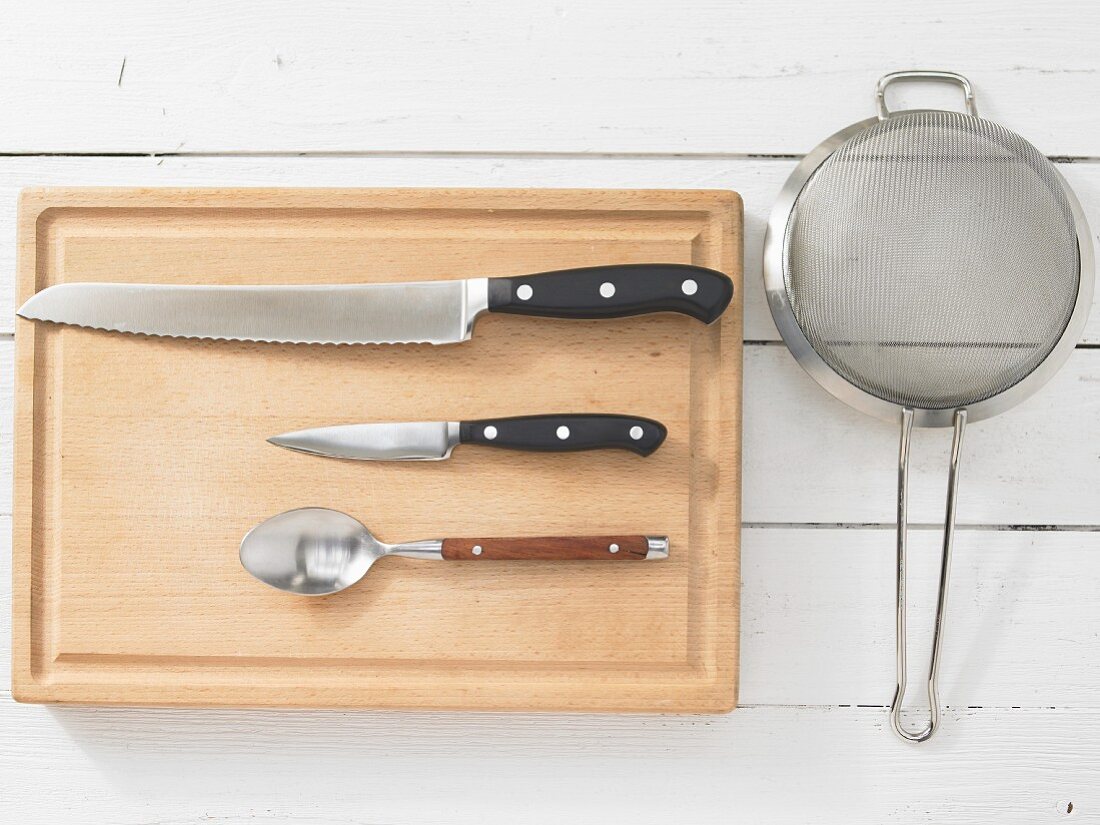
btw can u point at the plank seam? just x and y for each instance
(452, 154)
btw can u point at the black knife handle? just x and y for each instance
(565, 433)
(615, 292)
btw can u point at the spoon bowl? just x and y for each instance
(312, 551)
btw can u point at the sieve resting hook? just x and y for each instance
(945, 568)
(919, 74)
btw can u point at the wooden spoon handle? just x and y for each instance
(556, 548)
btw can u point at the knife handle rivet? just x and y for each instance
(490, 432)
(607, 289)
(563, 432)
(477, 550)
(524, 292)
(689, 287)
(636, 432)
(614, 548)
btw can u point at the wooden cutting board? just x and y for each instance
(141, 462)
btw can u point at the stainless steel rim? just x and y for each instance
(807, 357)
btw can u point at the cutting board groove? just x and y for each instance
(141, 462)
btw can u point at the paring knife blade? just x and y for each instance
(434, 440)
(435, 312)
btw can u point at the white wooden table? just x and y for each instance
(614, 93)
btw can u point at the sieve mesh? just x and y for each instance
(932, 260)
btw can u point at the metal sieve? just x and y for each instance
(930, 267)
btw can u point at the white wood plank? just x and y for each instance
(5, 606)
(757, 181)
(7, 410)
(810, 458)
(571, 76)
(1023, 621)
(817, 617)
(758, 765)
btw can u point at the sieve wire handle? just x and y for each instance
(945, 568)
(919, 74)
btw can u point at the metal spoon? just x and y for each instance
(315, 551)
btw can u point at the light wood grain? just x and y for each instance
(703, 76)
(141, 462)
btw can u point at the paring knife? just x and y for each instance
(434, 440)
(436, 312)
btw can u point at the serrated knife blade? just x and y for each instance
(433, 312)
(425, 312)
